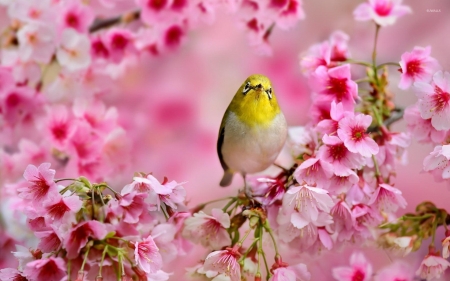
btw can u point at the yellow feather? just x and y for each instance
(255, 108)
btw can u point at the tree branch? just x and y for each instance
(108, 22)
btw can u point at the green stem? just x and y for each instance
(269, 230)
(374, 52)
(363, 63)
(121, 268)
(88, 248)
(433, 236)
(388, 63)
(101, 262)
(201, 206)
(416, 217)
(65, 179)
(244, 255)
(260, 249)
(93, 203)
(229, 204)
(375, 164)
(362, 80)
(245, 236)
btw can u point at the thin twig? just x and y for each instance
(108, 22)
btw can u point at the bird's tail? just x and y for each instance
(226, 179)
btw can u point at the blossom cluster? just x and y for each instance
(88, 231)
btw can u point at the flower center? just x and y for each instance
(72, 20)
(337, 87)
(440, 99)
(12, 100)
(278, 3)
(58, 210)
(156, 4)
(358, 276)
(338, 151)
(173, 36)
(59, 131)
(383, 8)
(413, 67)
(119, 42)
(41, 187)
(179, 4)
(358, 133)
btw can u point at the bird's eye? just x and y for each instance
(246, 88)
(269, 93)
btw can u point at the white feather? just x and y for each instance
(250, 150)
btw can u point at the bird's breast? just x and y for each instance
(252, 148)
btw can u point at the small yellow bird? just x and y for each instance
(253, 130)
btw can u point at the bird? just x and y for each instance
(252, 132)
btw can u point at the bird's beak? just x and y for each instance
(258, 87)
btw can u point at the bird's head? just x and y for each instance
(255, 101)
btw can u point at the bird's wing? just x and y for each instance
(220, 143)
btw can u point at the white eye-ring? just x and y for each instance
(269, 93)
(246, 88)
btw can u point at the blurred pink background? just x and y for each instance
(175, 103)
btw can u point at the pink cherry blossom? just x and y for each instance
(76, 15)
(50, 241)
(434, 100)
(11, 274)
(352, 131)
(421, 129)
(438, 162)
(395, 272)
(432, 267)
(290, 14)
(210, 231)
(153, 10)
(60, 126)
(98, 48)
(57, 207)
(314, 171)
(360, 269)
(31, 11)
(336, 153)
(327, 53)
(304, 203)
(74, 50)
(120, 42)
(335, 84)
(19, 104)
(320, 109)
(302, 140)
(366, 218)
(387, 198)
(78, 236)
(36, 42)
(268, 190)
(383, 12)
(343, 220)
(130, 206)
(339, 184)
(40, 183)
(291, 273)
(224, 262)
(417, 65)
(330, 126)
(446, 247)
(164, 236)
(50, 269)
(147, 255)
